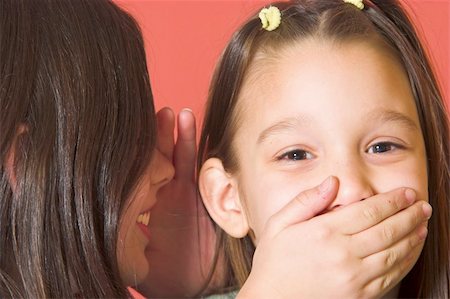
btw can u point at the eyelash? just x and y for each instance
(295, 155)
(390, 145)
(300, 155)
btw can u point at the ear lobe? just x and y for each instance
(220, 195)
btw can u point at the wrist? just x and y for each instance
(257, 288)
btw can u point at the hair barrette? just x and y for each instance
(358, 3)
(270, 18)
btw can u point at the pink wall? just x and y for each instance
(184, 39)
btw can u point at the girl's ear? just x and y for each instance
(220, 194)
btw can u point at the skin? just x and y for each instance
(178, 220)
(359, 174)
(344, 110)
(133, 241)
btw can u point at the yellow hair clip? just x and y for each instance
(357, 3)
(270, 18)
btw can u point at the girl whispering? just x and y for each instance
(313, 89)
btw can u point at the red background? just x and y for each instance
(183, 40)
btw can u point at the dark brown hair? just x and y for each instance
(382, 23)
(74, 75)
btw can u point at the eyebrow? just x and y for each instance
(286, 124)
(292, 123)
(393, 116)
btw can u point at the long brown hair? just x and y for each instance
(383, 23)
(74, 75)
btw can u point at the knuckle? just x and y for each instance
(346, 258)
(338, 259)
(386, 282)
(388, 233)
(413, 241)
(323, 233)
(414, 217)
(399, 201)
(391, 258)
(408, 261)
(349, 278)
(303, 199)
(373, 214)
(379, 285)
(307, 197)
(418, 214)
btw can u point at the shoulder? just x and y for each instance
(135, 294)
(229, 295)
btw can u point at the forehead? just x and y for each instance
(317, 73)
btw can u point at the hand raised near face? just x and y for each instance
(359, 251)
(179, 249)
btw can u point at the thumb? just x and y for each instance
(304, 206)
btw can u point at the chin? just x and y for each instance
(135, 273)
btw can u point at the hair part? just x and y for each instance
(383, 24)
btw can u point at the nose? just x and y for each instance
(354, 182)
(161, 168)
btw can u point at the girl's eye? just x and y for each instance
(296, 155)
(383, 147)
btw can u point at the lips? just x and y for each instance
(142, 222)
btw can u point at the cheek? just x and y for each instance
(133, 264)
(266, 196)
(411, 174)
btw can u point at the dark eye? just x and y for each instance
(382, 147)
(296, 155)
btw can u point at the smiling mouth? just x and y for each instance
(143, 218)
(142, 222)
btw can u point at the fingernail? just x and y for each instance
(325, 186)
(422, 233)
(185, 113)
(427, 210)
(410, 195)
(187, 109)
